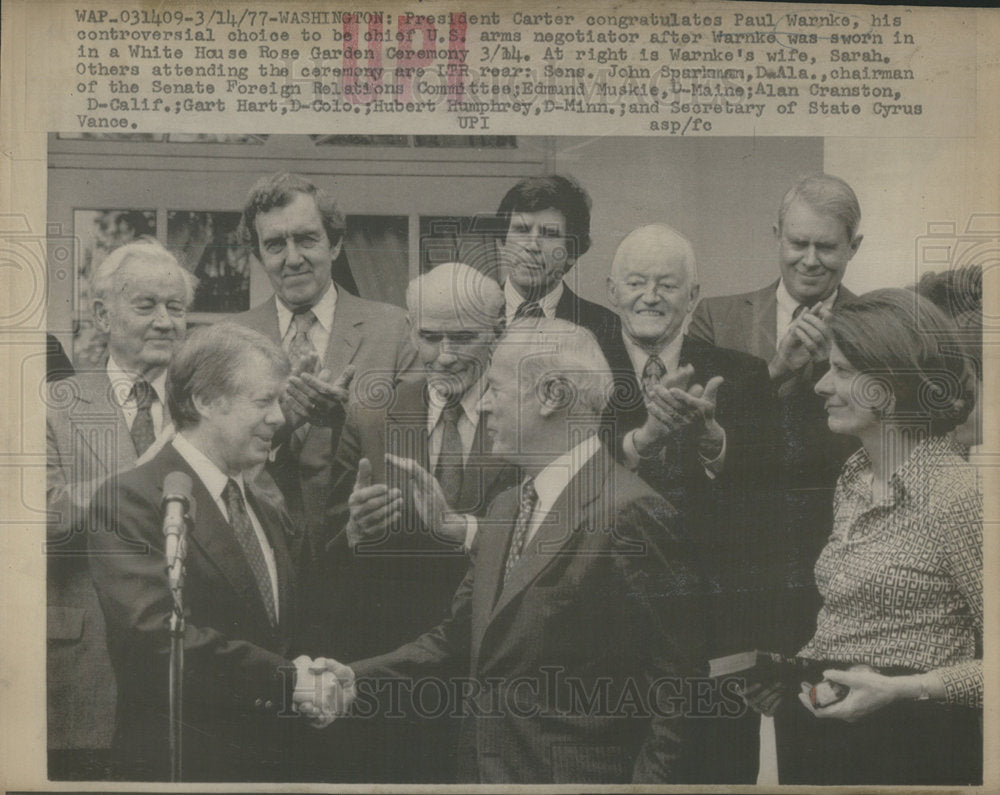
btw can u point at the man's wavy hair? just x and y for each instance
(552, 191)
(280, 190)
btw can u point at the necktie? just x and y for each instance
(450, 468)
(529, 309)
(142, 431)
(300, 349)
(798, 311)
(653, 371)
(239, 520)
(529, 499)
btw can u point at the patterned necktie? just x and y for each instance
(301, 348)
(142, 431)
(652, 372)
(240, 521)
(798, 311)
(529, 309)
(450, 467)
(529, 499)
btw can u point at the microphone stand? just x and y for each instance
(175, 574)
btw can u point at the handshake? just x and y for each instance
(324, 690)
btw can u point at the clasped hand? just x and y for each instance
(673, 405)
(807, 340)
(316, 399)
(324, 690)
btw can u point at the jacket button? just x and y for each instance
(268, 705)
(258, 703)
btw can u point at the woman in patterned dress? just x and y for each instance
(901, 576)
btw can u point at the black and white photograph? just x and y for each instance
(402, 455)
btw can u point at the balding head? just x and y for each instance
(456, 314)
(653, 284)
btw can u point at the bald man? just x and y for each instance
(392, 577)
(698, 424)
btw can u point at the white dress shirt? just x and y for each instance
(553, 480)
(468, 423)
(787, 306)
(121, 387)
(215, 480)
(319, 332)
(547, 302)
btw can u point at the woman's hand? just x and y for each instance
(869, 692)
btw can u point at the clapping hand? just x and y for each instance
(674, 405)
(807, 340)
(373, 507)
(316, 399)
(324, 690)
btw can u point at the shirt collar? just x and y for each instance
(553, 480)
(122, 381)
(323, 309)
(547, 302)
(931, 453)
(789, 304)
(670, 354)
(470, 403)
(215, 479)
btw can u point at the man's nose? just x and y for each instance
(293, 256)
(161, 316)
(275, 416)
(810, 258)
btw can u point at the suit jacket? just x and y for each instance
(373, 336)
(389, 587)
(603, 601)
(732, 517)
(86, 441)
(812, 455)
(237, 672)
(599, 320)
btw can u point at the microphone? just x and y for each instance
(178, 505)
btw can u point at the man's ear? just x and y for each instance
(612, 287)
(101, 319)
(335, 251)
(856, 244)
(693, 297)
(206, 408)
(776, 231)
(555, 393)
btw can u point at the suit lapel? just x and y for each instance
(345, 333)
(761, 316)
(216, 540)
(102, 408)
(570, 515)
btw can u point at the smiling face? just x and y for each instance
(851, 398)
(536, 251)
(296, 252)
(651, 286)
(454, 350)
(239, 427)
(813, 252)
(145, 315)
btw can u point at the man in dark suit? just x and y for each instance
(297, 232)
(240, 600)
(389, 574)
(580, 602)
(698, 423)
(785, 324)
(547, 228)
(98, 424)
